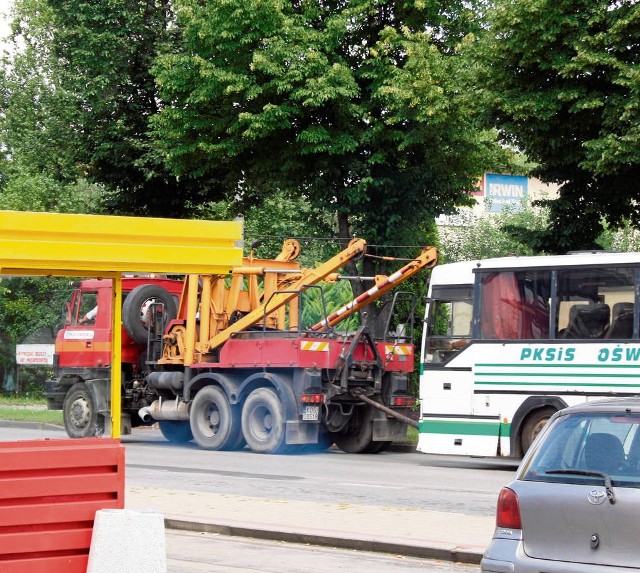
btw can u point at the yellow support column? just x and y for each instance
(116, 359)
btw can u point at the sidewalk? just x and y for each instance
(418, 533)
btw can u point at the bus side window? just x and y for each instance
(515, 305)
(596, 303)
(621, 322)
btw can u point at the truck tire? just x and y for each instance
(263, 422)
(357, 436)
(80, 414)
(176, 431)
(215, 423)
(376, 447)
(135, 310)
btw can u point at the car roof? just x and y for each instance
(627, 404)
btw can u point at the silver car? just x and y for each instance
(574, 506)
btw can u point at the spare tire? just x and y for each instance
(136, 315)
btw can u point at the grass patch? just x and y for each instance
(412, 435)
(24, 415)
(12, 400)
(20, 409)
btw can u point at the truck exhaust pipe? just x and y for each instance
(165, 410)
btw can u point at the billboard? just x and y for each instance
(502, 191)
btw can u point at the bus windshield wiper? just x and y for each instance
(605, 477)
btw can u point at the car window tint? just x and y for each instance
(606, 443)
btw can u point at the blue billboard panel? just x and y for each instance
(505, 191)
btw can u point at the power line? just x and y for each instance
(335, 239)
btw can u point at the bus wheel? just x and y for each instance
(533, 425)
(357, 436)
(80, 414)
(176, 431)
(263, 422)
(214, 422)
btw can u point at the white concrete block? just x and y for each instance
(127, 540)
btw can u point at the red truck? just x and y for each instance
(225, 360)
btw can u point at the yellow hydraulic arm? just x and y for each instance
(208, 303)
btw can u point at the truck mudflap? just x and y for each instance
(385, 430)
(299, 432)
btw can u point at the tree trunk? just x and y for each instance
(370, 268)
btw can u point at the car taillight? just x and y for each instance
(312, 398)
(402, 401)
(508, 512)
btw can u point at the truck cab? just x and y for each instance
(83, 348)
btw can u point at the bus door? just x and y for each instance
(447, 382)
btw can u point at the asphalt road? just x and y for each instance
(391, 479)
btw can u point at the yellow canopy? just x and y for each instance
(106, 246)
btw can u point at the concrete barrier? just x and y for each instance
(128, 540)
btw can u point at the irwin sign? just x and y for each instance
(505, 190)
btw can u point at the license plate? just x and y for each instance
(311, 413)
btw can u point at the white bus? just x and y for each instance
(509, 341)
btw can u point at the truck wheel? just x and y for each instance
(533, 425)
(176, 431)
(376, 447)
(215, 423)
(263, 422)
(357, 436)
(80, 414)
(135, 310)
(325, 440)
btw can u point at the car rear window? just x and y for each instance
(606, 443)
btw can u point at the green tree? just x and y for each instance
(469, 236)
(560, 80)
(77, 94)
(27, 304)
(355, 104)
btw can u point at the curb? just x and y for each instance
(454, 554)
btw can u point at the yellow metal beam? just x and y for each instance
(106, 246)
(96, 244)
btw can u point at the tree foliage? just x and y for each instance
(469, 236)
(27, 305)
(355, 103)
(560, 79)
(77, 95)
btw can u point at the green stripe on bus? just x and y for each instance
(554, 365)
(467, 428)
(563, 383)
(556, 375)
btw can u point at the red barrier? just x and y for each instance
(50, 491)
